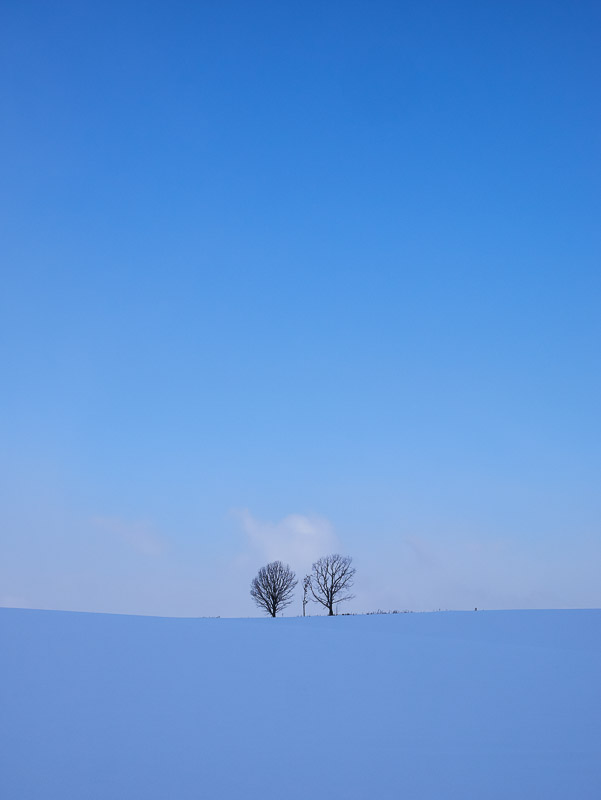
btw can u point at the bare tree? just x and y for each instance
(306, 587)
(331, 579)
(273, 587)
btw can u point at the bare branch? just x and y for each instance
(306, 589)
(331, 578)
(273, 587)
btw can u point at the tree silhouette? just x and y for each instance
(273, 587)
(331, 578)
(306, 588)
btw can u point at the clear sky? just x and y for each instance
(280, 279)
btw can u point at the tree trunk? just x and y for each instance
(330, 611)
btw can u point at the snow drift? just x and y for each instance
(447, 705)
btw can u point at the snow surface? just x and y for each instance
(446, 705)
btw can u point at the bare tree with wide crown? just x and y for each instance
(331, 578)
(273, 587)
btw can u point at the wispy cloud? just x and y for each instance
(140, 536)
(296, 539)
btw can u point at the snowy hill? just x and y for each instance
(449, 705)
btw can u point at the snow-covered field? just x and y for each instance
(459, 705)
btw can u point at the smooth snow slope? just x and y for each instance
(459, 705)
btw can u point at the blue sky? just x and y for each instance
(279, 279)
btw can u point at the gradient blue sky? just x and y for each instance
(286, 278)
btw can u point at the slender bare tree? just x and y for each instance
(306, 587)
(331, 579)
(273, 587)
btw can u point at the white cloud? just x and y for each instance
(140, 536)
(296, 539)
